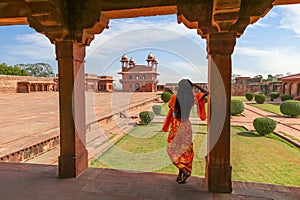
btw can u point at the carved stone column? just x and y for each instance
(73, 157)
(218, 168)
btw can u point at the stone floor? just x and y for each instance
(38, 181)
(34, 181)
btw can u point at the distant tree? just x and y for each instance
(270, 78)
(38, 69)
(258, 76)
(12, 70)
(288, 73)
(278, 76)
(233, 77)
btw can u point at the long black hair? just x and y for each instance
(184, 99)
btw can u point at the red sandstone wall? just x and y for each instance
(240, 89)
(8, 84)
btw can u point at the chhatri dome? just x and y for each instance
(150, 56)
(124, 58)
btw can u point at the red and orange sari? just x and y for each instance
(180, 143)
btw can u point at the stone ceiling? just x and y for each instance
(79, 20)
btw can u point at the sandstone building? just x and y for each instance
(291, 85)
(139, 78)
(13, 84)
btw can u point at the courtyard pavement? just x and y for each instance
(24, 117)
(40, 182)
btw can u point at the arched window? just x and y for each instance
(285, 88)
(143, 77)
(137, 77)
(130, 77)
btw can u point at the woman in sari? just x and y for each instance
(180, 144)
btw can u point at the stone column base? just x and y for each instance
(218, 178)
(71, 166)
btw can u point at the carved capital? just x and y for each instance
(61, 21)
(221, 43)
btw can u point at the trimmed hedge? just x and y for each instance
(156, 109)
(260, 98)
(264, 125)
(274, 95)
(290, 108)
(237, 107)
(249, 96)
(165, 96)
(146, 117)
(286, 97)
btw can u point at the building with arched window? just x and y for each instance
(139, 78)
(291, 85)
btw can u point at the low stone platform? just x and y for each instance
(32, 181)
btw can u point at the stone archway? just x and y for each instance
(71, 25)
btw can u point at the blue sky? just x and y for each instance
(270, 46)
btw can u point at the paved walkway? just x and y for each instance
(32, 182)
(286, 127)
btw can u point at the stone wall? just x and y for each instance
(8, 84)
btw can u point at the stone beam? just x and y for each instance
(13, 13)
(139, 12)
(285, 2)
(108, 5)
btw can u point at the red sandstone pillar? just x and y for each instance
(218, 168)
(73, 157)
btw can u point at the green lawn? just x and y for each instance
(253, 158)
(269, 108)
(242, 98)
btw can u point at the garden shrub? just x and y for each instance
(237, 107)
(260, 98)
(274, 95)
(286, 97)
(156, 109)
(146, 117)
(290, 107)
(165, 96)
(249, 96)
(264, 125)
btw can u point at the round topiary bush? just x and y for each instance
(249, 96)
(165, 96)
(156, 109)
(286, 97)
(260, 98)
(146, 117)
(290, 108)
(264, 126)
(237, 107)
(274, 95)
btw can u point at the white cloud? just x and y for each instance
(34, 46)
(271, 61)
(259, 24)
(291, 18)
(127, 33)
(175, 71)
